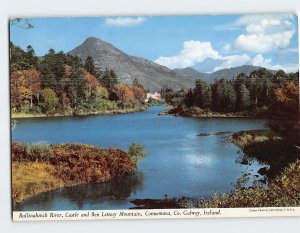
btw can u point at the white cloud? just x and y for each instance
(259, 60)
(233, 61)
(257, 18)
(196, 52)
(245, 20)
(263, 33)
(125, 21)
(192, 52)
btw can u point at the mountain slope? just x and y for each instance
(151, 75)
(227, 74)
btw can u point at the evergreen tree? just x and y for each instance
(189, 99)
(30, 57)
(109, 79)
(90, 66)
(17, 58)
(242, 93)
(198, 93)
(242, 98)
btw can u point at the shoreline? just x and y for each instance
(199, 113)
(108, 112)
(40, 168)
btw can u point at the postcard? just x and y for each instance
(141, 117)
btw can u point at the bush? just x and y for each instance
(101, 105)
(80, 110)
(136, 152)
(36, 109)
(42, 167)
(40, 152)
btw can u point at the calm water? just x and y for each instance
(179, 163)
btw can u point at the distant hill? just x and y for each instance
(151, 75)
(227, 74)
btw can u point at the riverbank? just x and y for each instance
(283, 170)
(206, 113)
(38, 168)
(282, 161)
(89, 113)
(282, 191)
(268, 147)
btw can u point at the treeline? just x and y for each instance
(245, 93)
(60, 83)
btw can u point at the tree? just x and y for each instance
(101, 92)
(25, 85)
(136, 152)
(20, 23)
(109, 79)
(90, 66)
(189, 98)
(286, 102)
(139, 93)
(49, 100)
(123, 92)
(207, 99)
(91, 85)
(30, 57)
(199, 93)
(284, 113)
(18, 58)
(242, 93)
(20, 93)
(52, 70)
(242, 98)
(223, 96)
(33, 82)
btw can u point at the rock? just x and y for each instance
(203, 134)
(263, 171)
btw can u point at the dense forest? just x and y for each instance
(244, 93)
(59, 83)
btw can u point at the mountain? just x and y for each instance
(191, 73)
(151, 75)
(227, 74)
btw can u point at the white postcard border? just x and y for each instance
(73, 215)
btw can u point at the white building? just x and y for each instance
(154, 95)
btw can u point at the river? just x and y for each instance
(179, 163)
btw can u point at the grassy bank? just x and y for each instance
(38, 168)
(268, 147)
(283, 191)
(27, 115)
(246, 138)
(81, 113)
(206, 113)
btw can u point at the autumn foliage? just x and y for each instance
(287, 101)
(139, 92)
(61, 84)
(68, 164)
(25, 86)
(123, 92)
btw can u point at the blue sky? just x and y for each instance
(207, 42)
